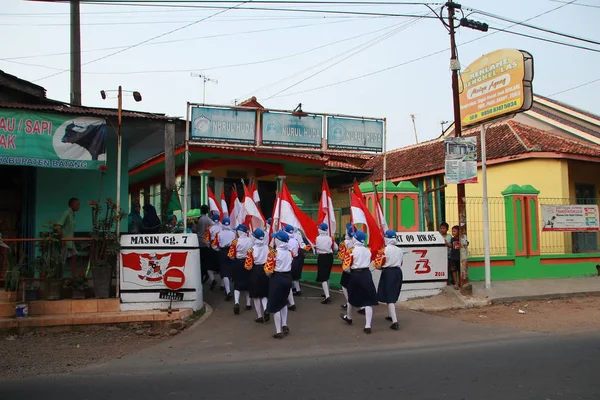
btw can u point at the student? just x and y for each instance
(345, 247)
(222, 242)
(213, 263)
(293, 246)
(325, 246)
(297, 247)
(447, 237)
(241, 276)
(389, 260)
(259, 281)
(278, 268)
(361, 289)
(455, 246)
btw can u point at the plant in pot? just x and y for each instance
(78, 284)
(51, 263)
(13, 272)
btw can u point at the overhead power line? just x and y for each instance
(575, 87)
(545, 40)
(575, 4)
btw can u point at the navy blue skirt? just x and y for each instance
(297, 264)
(241, 276)
(361, 289)
(324, 264)
(280, 285)
(226, 263)
(345, 280)
(390, 285)
(212, 260)
(259, 282)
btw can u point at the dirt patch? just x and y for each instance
(578, 314)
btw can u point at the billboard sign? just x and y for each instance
(223, 125)
(283, 129)
(51, 140)
(461, 160)
(354, 134)
(495, 85)
(569, 218)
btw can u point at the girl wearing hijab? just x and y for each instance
(259, 281)
(278, 267)
(150, 222)
(389, 260)
(134, 220)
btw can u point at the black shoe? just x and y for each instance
(346, 319)
(212, 285)
(367, 331)
(267, 317)
(323, 296)
(222, 288)
(260, 320)
(395, 326)
(278, 336)
(344, 306)
(326, 301)
(228, 297)
(248, 308)
(388, 319)
(361, 311)
(292, 308)
(298, 293)
(236, 309)
(285, 330)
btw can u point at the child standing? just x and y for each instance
(447, 237)
(455, 255)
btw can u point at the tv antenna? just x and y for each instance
(444, 123)
(412, 117)
(204, 80)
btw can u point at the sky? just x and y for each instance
(287, 58)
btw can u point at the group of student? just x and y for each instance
(267, 269)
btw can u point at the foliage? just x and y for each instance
(104, 243)
(13, 271)
(79, 282)
(51, 258)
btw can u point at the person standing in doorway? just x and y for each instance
(201, 228)
(134, 220)
(65, 227)
(325, 246)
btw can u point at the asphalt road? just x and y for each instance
(540, 368)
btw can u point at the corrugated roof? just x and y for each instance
(100, 112)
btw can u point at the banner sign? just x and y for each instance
(569, 218)
(288, 130)
(223, 125)
(354, 134)
(497, 84)
(51, 140)
(425, 256)
(461, 160)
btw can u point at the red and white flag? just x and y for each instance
(236, 213)
(254, 218)
(224, 205)
(287, 212)
(361, 215)
(379, 215)
(213, 205)
(254, 192)
(326, 212)
(357, 191)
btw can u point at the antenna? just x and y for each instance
(444, 123)
(412, 117)
(204, 80)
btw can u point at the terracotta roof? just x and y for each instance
(335, 164)
(508, 140)
(67, 109)
(564, 121)
(251, 102)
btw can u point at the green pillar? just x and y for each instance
(204, 175)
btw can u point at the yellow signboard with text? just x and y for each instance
(497, 84)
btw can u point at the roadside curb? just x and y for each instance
(208, 310)
(549, 296)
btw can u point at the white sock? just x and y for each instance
(227, 285)
(211, 275)
(345, 291)
(277, 319)
(291, 299)
(349, 311)
(369, 316)
(248, 301)
(264, 303)
(325, 286)
(297, 286)
(258, 308)
(236, 296)
(284, 314)
(392, 311)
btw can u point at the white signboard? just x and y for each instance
(569, 218)
(425, 256)
(461, 160)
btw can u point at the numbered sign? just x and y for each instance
(425, 256)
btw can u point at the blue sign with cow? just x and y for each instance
(354, 134)
(288, 130)
(223, 125)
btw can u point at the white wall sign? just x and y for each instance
(425, 256)
(569, 218)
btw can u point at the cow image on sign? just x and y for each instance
(174, 278)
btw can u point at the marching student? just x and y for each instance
(222, 242)
(344, 247)
(389, 260)
(241, 276)
(205, 252)
(259, 281)
(269, 225)
(293, 246)
(361, 290)
(278, 268)
(298, 264)
(213, 261)
(325, 245)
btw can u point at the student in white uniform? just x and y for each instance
(361, 289)
(259, 281)
(213, 255)
(389, 260)
(325, 245)
(241, 276)
(278, 267)
(344, 247)
(222, 242)
(293, 246)
(298, 264)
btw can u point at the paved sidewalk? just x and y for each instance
(505, 291)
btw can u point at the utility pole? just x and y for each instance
(204, 80)
(75, 54)
(412, 117)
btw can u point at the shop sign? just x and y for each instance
(569, 218)
(223, 125)
(51, 140)
(461, 160)
(282, 129)
(354, 134)
(495, 85)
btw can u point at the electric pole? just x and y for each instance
(412, 117)
(204, 80)
(75, 54)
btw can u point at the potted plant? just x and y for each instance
(51, 262)
(13, 273)
(78, 284)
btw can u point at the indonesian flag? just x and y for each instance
(213, 205)
(361, 215)
(237, 213)
(287, 212)
(224, 205)
(326, 213)
(254, 218)
(379, 215)
(254, 192)
(357, 191)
